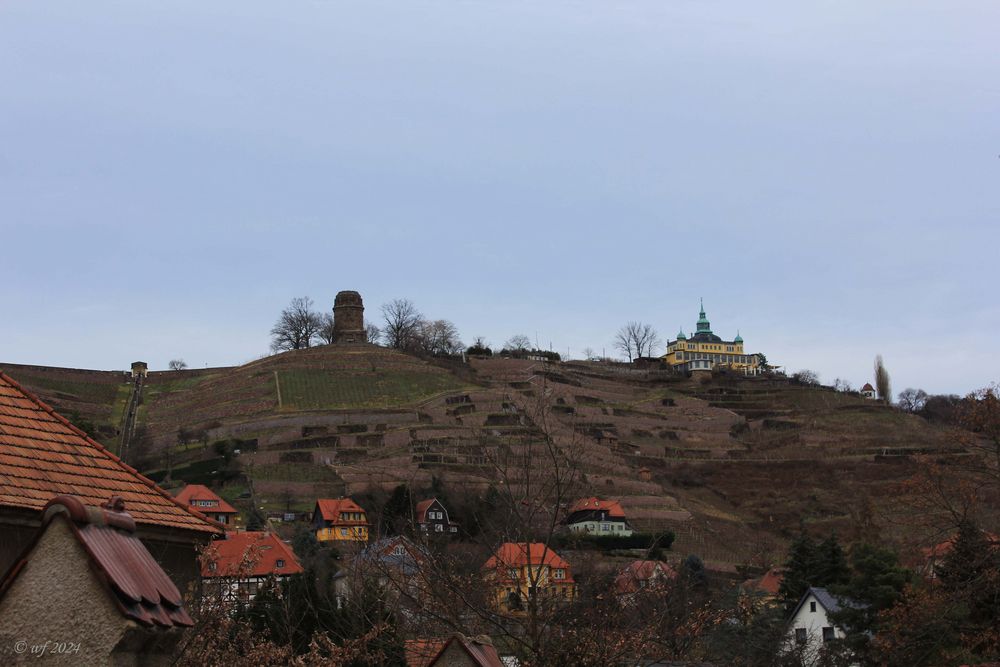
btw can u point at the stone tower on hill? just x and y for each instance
(349, 318)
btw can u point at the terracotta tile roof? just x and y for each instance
(192, 493)
(420, 652)
(42, 455)
(249, 554)
(520, 554)
(137, 584)
(642, 574)
(330, 510)
(479, 649)
(612, 507)
(769, 583)
(868, 387)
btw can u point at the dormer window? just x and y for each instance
(280, 563)
(559, 573)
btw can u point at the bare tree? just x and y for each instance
(373, 333)
(843, 386)
(588, 353)
(437, 337)
(912, 400)
(882, 384)
(177, 364)
(518, 343)
(325, 332)
(402, 321)
(297, 326)
(636, 339)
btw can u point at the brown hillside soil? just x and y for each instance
(735, 466)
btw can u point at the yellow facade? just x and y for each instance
(342, 533)
(513, 573)
(705, 351)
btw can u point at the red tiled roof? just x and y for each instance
(249, 554)
(42, 455)
(635, 573)
(868, 387)
(612, 507)
(768, 583)
(479, 650)
(193, 492)
(420, 652)
(520, 554)
(943, 548)
(140, 588)
(330, 510)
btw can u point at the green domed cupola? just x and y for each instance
(703, 325)
(739, 338)
(681, 336)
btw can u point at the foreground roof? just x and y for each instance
(194, 492)
(137, 584)
(479, 650)
(830, 602)
(769, 583)
(330, 509)
(42, 455)
(249, 554)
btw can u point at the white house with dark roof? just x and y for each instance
(811, 627)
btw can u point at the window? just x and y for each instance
(280, 563)
(800, 635)
(343, 532)
(400, 550)
(559, 574)
(829, 635)
(812, 607)
(438, 528)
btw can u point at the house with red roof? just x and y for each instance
(766, 586)
(518, 571)
(599, 517)
(456, 651)
(235, 568)
(42, 456)
(87, 581)
(208, 503)
(642, 575)
(868, 391)
(340, 520)
(432, 518)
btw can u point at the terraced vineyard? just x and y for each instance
(321, 389)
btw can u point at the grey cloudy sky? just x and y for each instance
(825, 174)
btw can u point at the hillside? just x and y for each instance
(732, 466)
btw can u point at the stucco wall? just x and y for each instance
(57, 599)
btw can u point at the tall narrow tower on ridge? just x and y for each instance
(349, 318)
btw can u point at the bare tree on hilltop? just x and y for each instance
(518, 343)
(297, 326)
(636, 339)
(438, 337)
(373, 333)
(177, 365)
(402, 323)
(325, 333)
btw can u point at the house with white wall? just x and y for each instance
(811, 627)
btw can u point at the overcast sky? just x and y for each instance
(825, 174)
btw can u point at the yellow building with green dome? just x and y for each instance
(704, 351)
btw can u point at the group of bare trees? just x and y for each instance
(407, 329)
(299, 327)
(636, 340)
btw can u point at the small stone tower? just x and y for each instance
(349, 318)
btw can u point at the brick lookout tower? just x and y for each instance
(349, 318)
